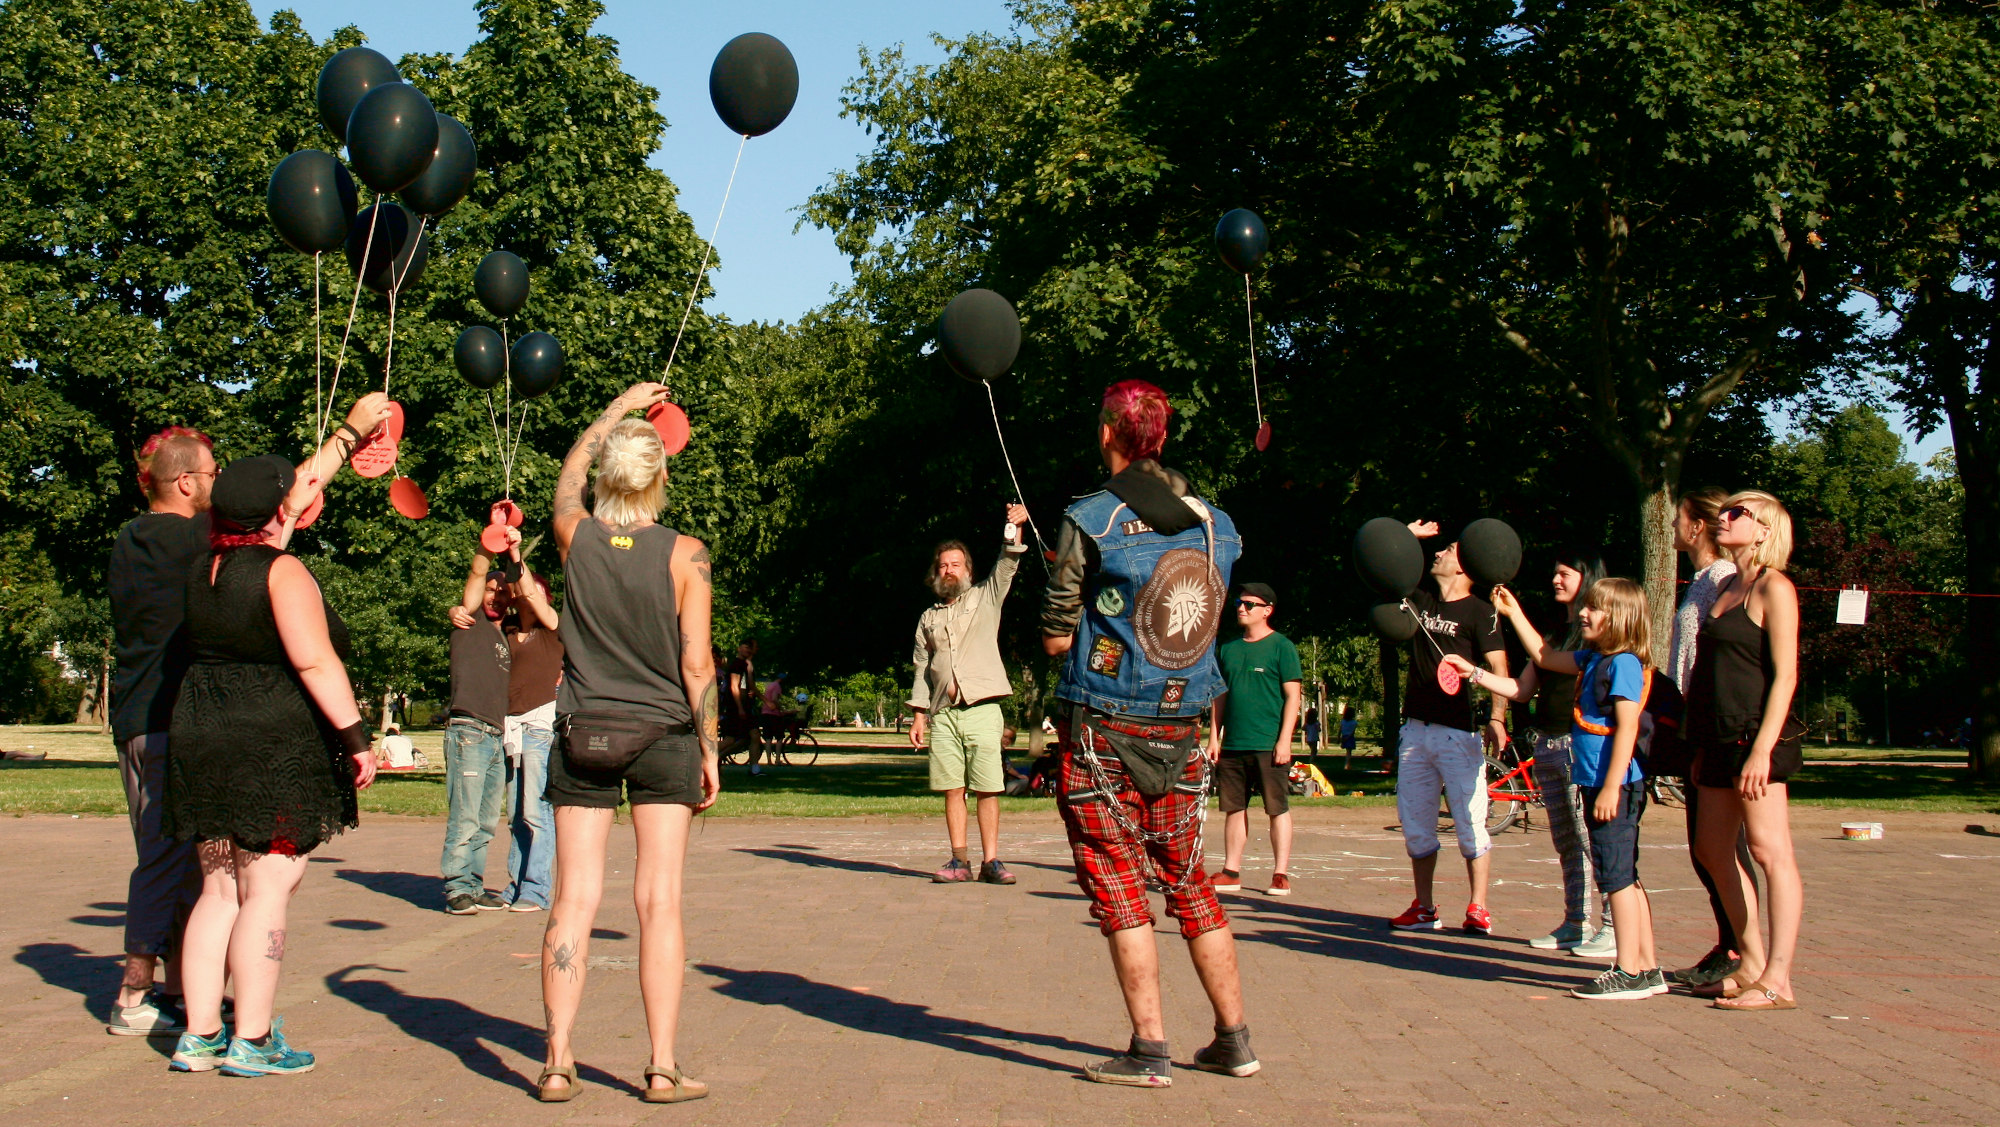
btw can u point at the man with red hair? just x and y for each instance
(147, 577)
(1141, 573)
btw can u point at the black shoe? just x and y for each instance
(489, 901)
(1144, 1065)
(993, 872)
(460, 904)
(1229, 1053)
(1713, 968)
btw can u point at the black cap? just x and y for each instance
(249, 490)
(1261, 591)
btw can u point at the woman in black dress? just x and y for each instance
(1738, 701)
(266, 752)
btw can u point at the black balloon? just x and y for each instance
(346, 78)
(1388, 557)
(396, 254)
(449, 176)
(501, 283)
(392, 136)
(481, 357)
(537, 363)
(310, 201)
(1241, 240)
(1393, 622)
(1490, 552)
(753, 83)
(979, 334)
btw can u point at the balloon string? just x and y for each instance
(507, 377)
(1428, 636)
(367, 245)
(319, 392)
(1018, 495)
(1250, 319)
(499, 443)
(705, 251)
(514, 449)
(395, 290)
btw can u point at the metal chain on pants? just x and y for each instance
(1101, 782)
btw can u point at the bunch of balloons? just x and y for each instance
(530, 367)
(1390, 561)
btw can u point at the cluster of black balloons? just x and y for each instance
(535, 364)
(1390, 561)
(398, 144)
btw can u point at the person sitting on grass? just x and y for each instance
(1613, 673)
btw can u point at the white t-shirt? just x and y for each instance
(399, 751)
(1701, 596)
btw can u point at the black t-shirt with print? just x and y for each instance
(1468, 627)
(480, 663)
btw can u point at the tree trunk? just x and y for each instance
(1391, 663)
(1980, 475)
(388, 698)
(104, 695)
(1658, 565)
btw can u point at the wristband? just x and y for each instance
(511, 568)
(1478, 676)
(353, 738)
(354, 435)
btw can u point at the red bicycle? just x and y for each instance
(1511, 789)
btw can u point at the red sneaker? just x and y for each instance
(1478, 920)
(1228, 880)
(1418, 918)
(1281, 885)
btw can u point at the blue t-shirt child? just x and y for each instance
(1592, 752)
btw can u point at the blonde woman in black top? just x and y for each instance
(1739, 698)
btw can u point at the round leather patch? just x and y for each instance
(1179, 610)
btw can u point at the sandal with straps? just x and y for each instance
(563, 1094)
(683, 1089)
(1756, 999)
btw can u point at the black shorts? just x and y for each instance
(1719, 764)
(1239, 773)
(668, 771)
(1614, 845)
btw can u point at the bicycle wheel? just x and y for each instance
(1509, 791)
(805, 749)
(1667, 791)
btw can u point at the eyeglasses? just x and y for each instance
(1736, 513)
(198, 473)
(1248, 604)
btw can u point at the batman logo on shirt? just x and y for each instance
(624, 542)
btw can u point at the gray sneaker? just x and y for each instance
(1657, 980)
(1229, 1053)
(154, 1016)
(460, 904)
(1144, 1065)
(1713, 968)
(1603, 945)
(1615, 985)
(489, 901)
(1563, 938)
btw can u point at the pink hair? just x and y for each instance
(1136, 412)
(153, 445)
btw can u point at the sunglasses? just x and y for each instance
(1250, 603)
(1737, 512)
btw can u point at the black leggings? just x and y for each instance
(1725, 935)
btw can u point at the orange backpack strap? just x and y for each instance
(1603, 666)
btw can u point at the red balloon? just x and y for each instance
(508, 513)
(1264, 437)
(494, 538)
(1448, 679)
(408, 498)
(394, 423)
(672, 424)
(312, 510)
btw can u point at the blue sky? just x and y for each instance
(768, 272)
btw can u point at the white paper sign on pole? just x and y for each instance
(1853, 608)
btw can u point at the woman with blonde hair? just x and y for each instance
(1739, 703)
(635, 720)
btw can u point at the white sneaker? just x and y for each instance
(1603, 945)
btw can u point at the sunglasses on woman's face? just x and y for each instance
(1735, 513)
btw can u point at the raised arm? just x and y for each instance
(569, 508)
(1539, 652)
(300, 616)
(534, 594)
(367, 413)
(693, 594)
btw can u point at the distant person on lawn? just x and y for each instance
(956, 695)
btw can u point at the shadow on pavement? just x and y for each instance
(452, 1025)
(424, 890)
(906, 1021)
(66, 966)
(1367, 939)
(822, 861)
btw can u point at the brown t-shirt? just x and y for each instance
(538, 662)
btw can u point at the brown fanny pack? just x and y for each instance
(602, 742)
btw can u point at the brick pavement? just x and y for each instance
(830, 983)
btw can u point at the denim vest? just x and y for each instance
(1146, 643)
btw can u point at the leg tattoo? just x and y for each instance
(276, 951)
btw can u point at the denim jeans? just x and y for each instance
(531, 855)
(1565, 804)
(475, 789)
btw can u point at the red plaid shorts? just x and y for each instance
(1110, 865)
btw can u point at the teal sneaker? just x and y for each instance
(273, 1058)
(195, 1053)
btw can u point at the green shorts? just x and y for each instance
(965, 748)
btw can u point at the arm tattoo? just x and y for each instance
(276, 951)
(576, 464)
(709, 728)
(562, 956)
(701, 564)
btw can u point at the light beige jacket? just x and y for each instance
(961, 640)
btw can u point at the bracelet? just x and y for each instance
(349, 428)
(1478, 675)
(353, 738)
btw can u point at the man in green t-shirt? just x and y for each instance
(1252, 734)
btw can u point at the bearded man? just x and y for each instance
(956, 696)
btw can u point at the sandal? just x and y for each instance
(1756, 999)
(683, 1089)
(1722, 988)
(548, 1095)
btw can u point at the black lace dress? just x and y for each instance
(250, 758)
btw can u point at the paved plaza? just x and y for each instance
(831, 983)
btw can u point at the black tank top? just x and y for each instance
(1732, 674)
(620, 629)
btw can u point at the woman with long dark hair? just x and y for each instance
(267, 750)
(1739, 703)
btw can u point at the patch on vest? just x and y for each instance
(1179, 610)
(1172, 694)
(1134, 527)
(624, 542)
(1106, 655)
(1111, 602)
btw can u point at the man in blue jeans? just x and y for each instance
(474, 763)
